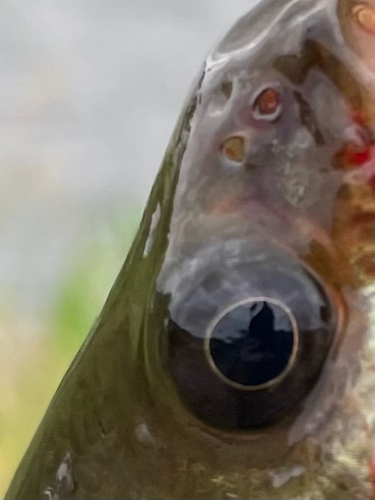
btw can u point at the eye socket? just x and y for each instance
(267, 105)
(237, 374)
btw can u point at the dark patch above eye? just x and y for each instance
(267, 105)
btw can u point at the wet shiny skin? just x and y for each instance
(266, 190)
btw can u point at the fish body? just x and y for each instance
(234, 357)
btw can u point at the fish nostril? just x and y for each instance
(233, 149)
(365, 16)
(253, 344)
(267, 105)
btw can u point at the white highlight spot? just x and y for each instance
(281, 478)
(154, 224)
(143, 434)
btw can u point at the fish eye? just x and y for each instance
(252, 363)
(253, 344)
(267, 104)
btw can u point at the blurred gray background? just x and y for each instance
(90, 92)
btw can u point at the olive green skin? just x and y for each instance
(93, 414)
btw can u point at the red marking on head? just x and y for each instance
(358, 158)
(352, 156)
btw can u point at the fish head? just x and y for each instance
(234, 357)
(268, 268)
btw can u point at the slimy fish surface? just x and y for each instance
(235, 355)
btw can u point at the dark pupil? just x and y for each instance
(253, 343)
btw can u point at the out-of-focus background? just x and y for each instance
(90, 92)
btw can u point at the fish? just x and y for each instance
(235, 354)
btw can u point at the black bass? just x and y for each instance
(235, 355)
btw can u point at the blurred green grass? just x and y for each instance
(31, 377)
